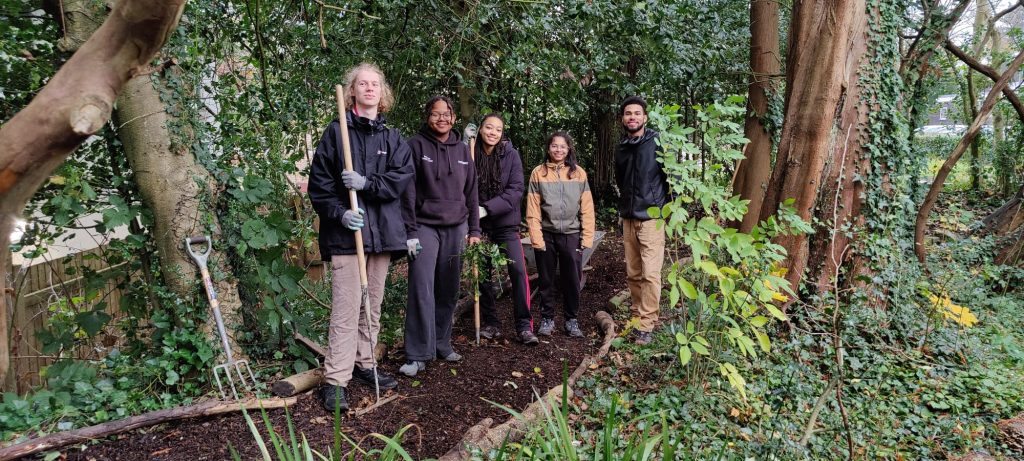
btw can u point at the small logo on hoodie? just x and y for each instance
(462, 163)
(382, 152)
(428, 159)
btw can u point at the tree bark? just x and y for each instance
(841, 196)
(958, 151)
(74, 105)
(816, 69)
(604, 120)
(753, 171)
(172, 185)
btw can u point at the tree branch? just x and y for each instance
(75, 104)
(988, 72)
(972, 131)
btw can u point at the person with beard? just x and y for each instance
(642, 184)
(500, 183)
(381, 171)
(560, 217)
(439, 209)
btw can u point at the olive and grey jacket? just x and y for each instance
(559, 204)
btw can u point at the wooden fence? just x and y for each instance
(40, 291)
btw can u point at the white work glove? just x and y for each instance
(469, 132)
(413, 247)
(483, 212)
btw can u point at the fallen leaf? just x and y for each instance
(516, 374)
(735, 413)
(536, 370)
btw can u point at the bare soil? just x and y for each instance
(440, 403)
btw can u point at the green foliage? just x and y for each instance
(474, 259)
(729, 283)
(294, 449)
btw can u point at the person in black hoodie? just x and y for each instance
(500, 182)
(382, 170)
(439, 209)
(642, 184)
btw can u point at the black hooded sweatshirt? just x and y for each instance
(443, 192)
(379, 154)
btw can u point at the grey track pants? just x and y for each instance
(433, 291)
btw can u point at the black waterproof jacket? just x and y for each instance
(505, 208)
(379, 154)
(641, 180)
(443, 192)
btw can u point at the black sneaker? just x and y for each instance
(365, 376)
(333, 396)
(528, 338)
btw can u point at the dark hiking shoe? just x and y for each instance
(333, 396)
(365, 376)
(528, 338)
(642, 338)
(572, 328)
(490, 332)
(412, 367)
(547, 326)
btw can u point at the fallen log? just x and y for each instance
(298, 383)
(85, 434)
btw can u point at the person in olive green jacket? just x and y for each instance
(560, 217)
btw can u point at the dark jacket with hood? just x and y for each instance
(443, 192)
(379, 154)
(642, 181)
(504, 209)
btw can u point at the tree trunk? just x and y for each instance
(176, 189)
(753, 171)
(816, 70)
(842, 192)
(972, 131)
(605, 120)
(75, 104)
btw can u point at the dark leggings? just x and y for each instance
(511, 245)
(562, 250)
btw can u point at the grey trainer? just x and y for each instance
(547, 326)
(572, 327)
(412, 367)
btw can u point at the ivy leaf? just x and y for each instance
(92, 321)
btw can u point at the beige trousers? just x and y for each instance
(350, 337)
(645, 254)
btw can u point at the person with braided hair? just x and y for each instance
(500, 187)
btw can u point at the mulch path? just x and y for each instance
(441, 403)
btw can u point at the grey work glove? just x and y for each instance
(353, 220)
(353, 180)
(413, 246)
(469, 132)
(483, 212)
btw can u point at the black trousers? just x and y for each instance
(507, 238)
(563, 251)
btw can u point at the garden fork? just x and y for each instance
(231, 364)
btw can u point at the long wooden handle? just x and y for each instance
(352, 198)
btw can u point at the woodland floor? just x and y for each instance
(441, 403)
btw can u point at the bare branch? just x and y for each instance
(989, 72)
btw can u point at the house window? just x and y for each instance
(943, 112)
